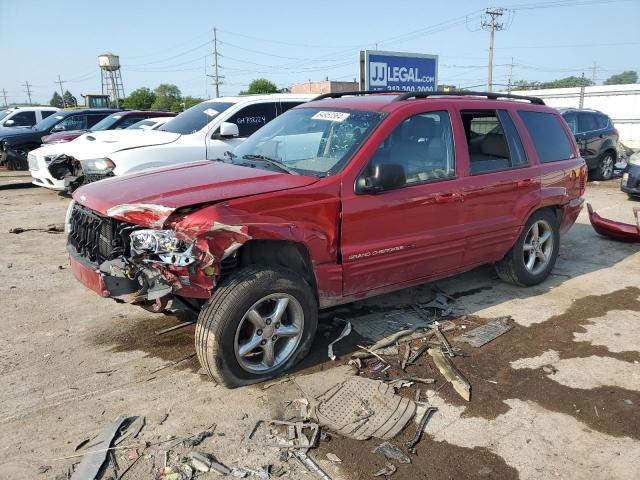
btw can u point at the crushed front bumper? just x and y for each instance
(92, 278)
(630, 182)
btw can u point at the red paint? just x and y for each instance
(360, 244)
(624, 232)
(89, 277)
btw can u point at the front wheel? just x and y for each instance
(604, 171)
(534, 254)
(257, 324)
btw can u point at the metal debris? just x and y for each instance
(93, 461)
(175, 327)
(400, 381)
(197, 439)
(345, 331)
(411, 444)
(405, 358)
(451, 373)
(310, 465)
(445, 343)
(204, 463)
(484, 334)
(334, 458)
(388, 470)
(269, 433)
(392, 452)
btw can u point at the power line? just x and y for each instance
(491, 25)
(28, 90)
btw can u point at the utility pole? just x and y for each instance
(28, 90)
(581, 102)
(509, 83)
(4, 94)
(491, 25)
(593, 72)
(60, 82)
(217, 78)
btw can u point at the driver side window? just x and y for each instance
(422, 145)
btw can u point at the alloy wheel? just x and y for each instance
(538, 247)
(269, 333)
(606, 167)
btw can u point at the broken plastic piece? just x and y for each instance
(451, 373)
(388, 470)
(392, 452)
(624, 232)
(411, 444)
(484, 334)
(269, 433)
(310, 465)
(345, 331)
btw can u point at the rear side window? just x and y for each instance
(93, 119)
(548, 136)
(587, 122)
(46, 113)
(24, 119)
(492, 140)
(602, 121)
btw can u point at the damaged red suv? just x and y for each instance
(345, 197)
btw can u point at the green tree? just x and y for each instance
(56, 100)
(260, 85)
(140, 99)
(69, 100)
(628, 76)
(566, 82)
(167, 95)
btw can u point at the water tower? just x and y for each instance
(111, 77)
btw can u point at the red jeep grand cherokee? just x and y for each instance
(336, 200)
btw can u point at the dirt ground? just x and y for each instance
(558, 396)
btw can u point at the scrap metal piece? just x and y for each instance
(411, 444)
(485, 333)
(388, 341)
(345, 331)
(445, 343)
(299, 434)
(310, 464)
(361, 408)
(93, 461)
(405, 357)
(451, 373)
(392, 452)
(624, 232)
(398, 382)
(175, 327)
(388, 470)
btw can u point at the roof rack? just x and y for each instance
(489, 95)
(353, 93)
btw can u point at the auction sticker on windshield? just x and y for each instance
(211, 112)
(331, 116)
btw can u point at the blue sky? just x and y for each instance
(294, 41)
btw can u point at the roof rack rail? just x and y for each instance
(489, 95)
(352, 93)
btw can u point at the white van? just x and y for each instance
(24, 116)
(205, 131)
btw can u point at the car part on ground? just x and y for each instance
(630, 183)
(623, 232)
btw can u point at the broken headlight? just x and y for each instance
(97, 165)
(164, 245)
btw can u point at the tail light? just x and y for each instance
(583, 179)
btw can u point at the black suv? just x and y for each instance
(15, 144)
(597, 140)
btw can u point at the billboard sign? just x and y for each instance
(398, 71)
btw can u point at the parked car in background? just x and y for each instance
(597, 140)
(337, 200)
(205, 131)
(24, 116)
(149, 123)
(116, 121)
(15, 144)
(630, 183)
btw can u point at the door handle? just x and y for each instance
(449, 197)
(527, 182)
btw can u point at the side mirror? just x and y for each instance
(57, 128)
(9, 123)
(228, 130)
(384, 176)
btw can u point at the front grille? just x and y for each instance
(98, 238)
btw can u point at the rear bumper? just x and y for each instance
(630, 182)
(570, 213)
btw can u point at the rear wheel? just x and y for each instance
(259, 323)
(534, 254)
(605, 167)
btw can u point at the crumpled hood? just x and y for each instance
(102, 144)
(150, 197)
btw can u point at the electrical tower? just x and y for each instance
(27, 90)
(489, 23)
(60, 82)
(217, 78)
(4, 95)
(111, 78)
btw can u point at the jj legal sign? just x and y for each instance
(404, 72)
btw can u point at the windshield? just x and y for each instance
(196, 118)
(311, 141)
(145, 124)
(107, 122)
(48, 122)
(4, 113)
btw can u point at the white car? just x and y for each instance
(24, 116)
(205, 131)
